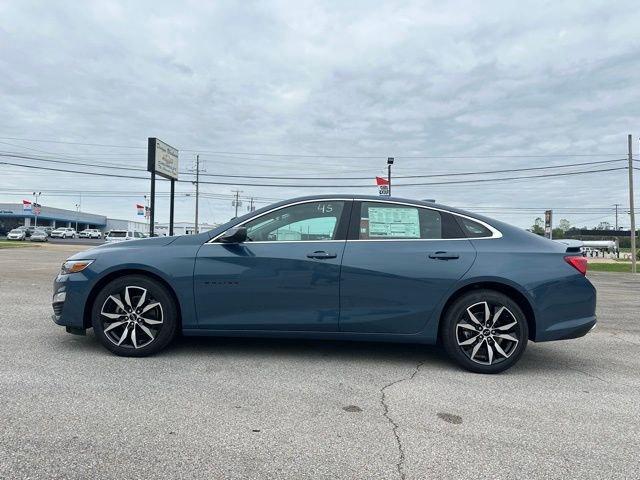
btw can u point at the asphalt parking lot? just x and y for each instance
(234, 408)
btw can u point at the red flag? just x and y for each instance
(381, 181)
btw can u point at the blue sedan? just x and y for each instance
(336, 267)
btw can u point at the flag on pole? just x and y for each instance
(26, 205)
(140, 209)
(36, 209)
(147, 212)
(383, 185)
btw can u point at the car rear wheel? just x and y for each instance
(485, 331)
(134, 316)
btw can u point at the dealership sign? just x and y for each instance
(383, 185)
(162, 159)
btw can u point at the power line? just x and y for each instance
(304, 155)
(271, 177)
(455, 182)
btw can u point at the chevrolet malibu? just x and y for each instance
(336, 267)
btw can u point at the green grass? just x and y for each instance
(15, 244)
(610, 267)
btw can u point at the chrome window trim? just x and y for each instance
(495, 233)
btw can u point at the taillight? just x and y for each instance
(579, 263)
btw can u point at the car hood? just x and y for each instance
(108, 248)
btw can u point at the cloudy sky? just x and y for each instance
(322, 89)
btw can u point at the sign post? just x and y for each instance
(162, 159)
(548, 224)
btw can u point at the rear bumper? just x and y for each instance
(566, 330)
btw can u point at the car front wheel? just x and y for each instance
(485, 331)
(134, 316)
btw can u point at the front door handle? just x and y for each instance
(444, 256)
(321, 255)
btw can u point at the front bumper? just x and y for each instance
(69, 298)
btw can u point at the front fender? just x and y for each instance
(172, 266)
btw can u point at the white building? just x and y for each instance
(129, 225)
(181, 228)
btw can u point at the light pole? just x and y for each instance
(77, 214)
(389, 163)
(35, 207)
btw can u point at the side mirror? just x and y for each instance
(234, 235)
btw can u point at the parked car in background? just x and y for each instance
(17, 234)
(27, 230)
(350, 267)
(39, 235)
(46, 229)
(64, 232)
(115, 236)
(90, 233)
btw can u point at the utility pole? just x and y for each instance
(616, 205)
(35, 207)
(389, 163)
(631, 208)
(197, 190)
(236, 202)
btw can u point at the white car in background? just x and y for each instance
(39, 235)
(115, 236)
(17, 234)
(90, 233)
(64, 232)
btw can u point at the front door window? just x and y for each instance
(313, 221)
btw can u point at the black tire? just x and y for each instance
(162, 331)
(469, 308)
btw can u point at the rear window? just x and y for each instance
(118, 234)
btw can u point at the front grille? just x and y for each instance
(57, 308)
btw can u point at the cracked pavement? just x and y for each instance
(237, 408)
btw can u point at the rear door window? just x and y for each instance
(388, 221)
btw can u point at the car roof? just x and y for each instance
(381, 198)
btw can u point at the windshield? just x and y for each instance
(118, 234)
(16, 230)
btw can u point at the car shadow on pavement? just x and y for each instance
(538, 358)
(312, 349)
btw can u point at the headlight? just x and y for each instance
(74, 266)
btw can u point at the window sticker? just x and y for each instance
(394, 222)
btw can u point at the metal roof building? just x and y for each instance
(13, 215)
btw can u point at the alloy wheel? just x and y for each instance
(488, 333)
(131, 318)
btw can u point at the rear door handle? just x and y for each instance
(444, 256)
(321, 255)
